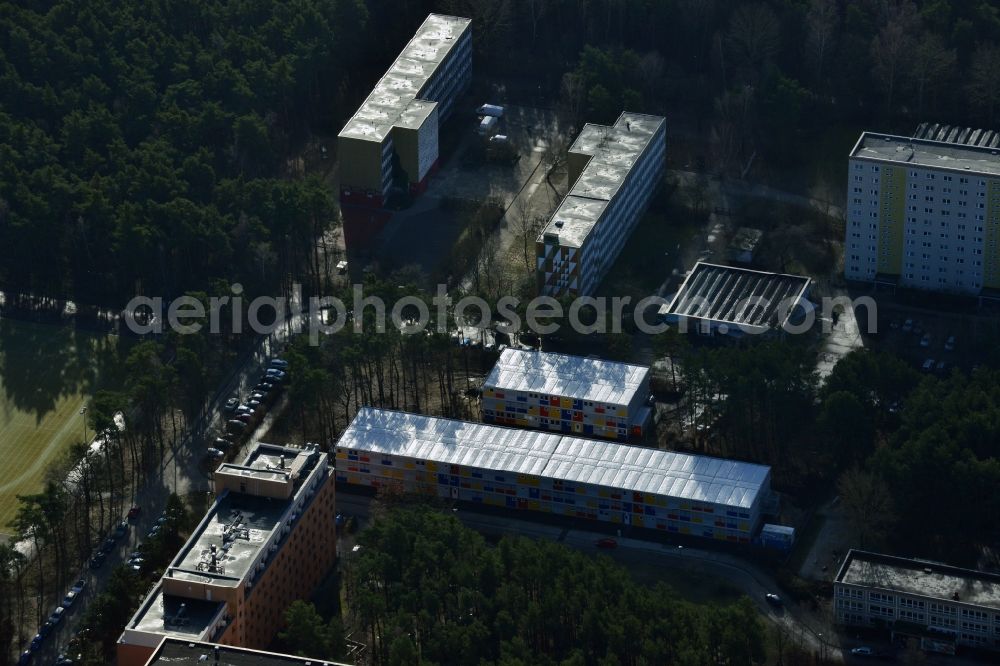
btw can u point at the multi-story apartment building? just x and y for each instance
(558, 474)
(613, 172)
(923, 214)
(939, 605)
(567, 394)
(393, 136)
(268, 539)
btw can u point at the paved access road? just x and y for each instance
(181, 471)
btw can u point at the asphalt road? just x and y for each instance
(182, 471)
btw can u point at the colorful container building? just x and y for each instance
(568, 394)
(543, 472)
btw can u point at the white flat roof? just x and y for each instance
(394, 101)
(679, 475)
(564, 375)
(613, 151)
(909, 151)
(929, 579)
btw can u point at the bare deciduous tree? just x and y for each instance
(822, 20)
(651, 68)
(984, 80)
(891, 48)
(868, 505)
(572, 96)
(535, 10)
(753, 38)
(526, 225)
(932, 64)
(491, 19)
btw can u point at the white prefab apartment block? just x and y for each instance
(549, 473)
(569, 394)
(613, 172)
(939, 605)
(395, 131)
(923, 214)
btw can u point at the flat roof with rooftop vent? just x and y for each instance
(920, 577)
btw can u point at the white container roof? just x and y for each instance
(576, 377)
(632, 468)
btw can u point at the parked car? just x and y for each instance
(774, 599)
(928, 365)
(263, 387)
(78, 587)
(154, 532)
(230, 405)
(941, 365)
(275, 375)
(863, 652)
(64, 660)
(907, 326)
(57, 616)
(949, 344)
(606, 542)
(121, 529)
(97, 560)
(108, 545)
(36, 642)
(278, 363)
(236, 426)
(222, 443)
(926, 340)
(215, 453)
(68, 600)
(246, 417)
(134, 511)
(25, 658)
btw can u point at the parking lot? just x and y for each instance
(934, 342)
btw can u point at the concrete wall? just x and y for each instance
(360, 164)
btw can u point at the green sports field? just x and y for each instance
(47, 373)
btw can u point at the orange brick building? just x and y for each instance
(268, 539)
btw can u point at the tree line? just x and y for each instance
(752, 76)
(913, 457)
(424, 589)
(94, 641)
(145, 146)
